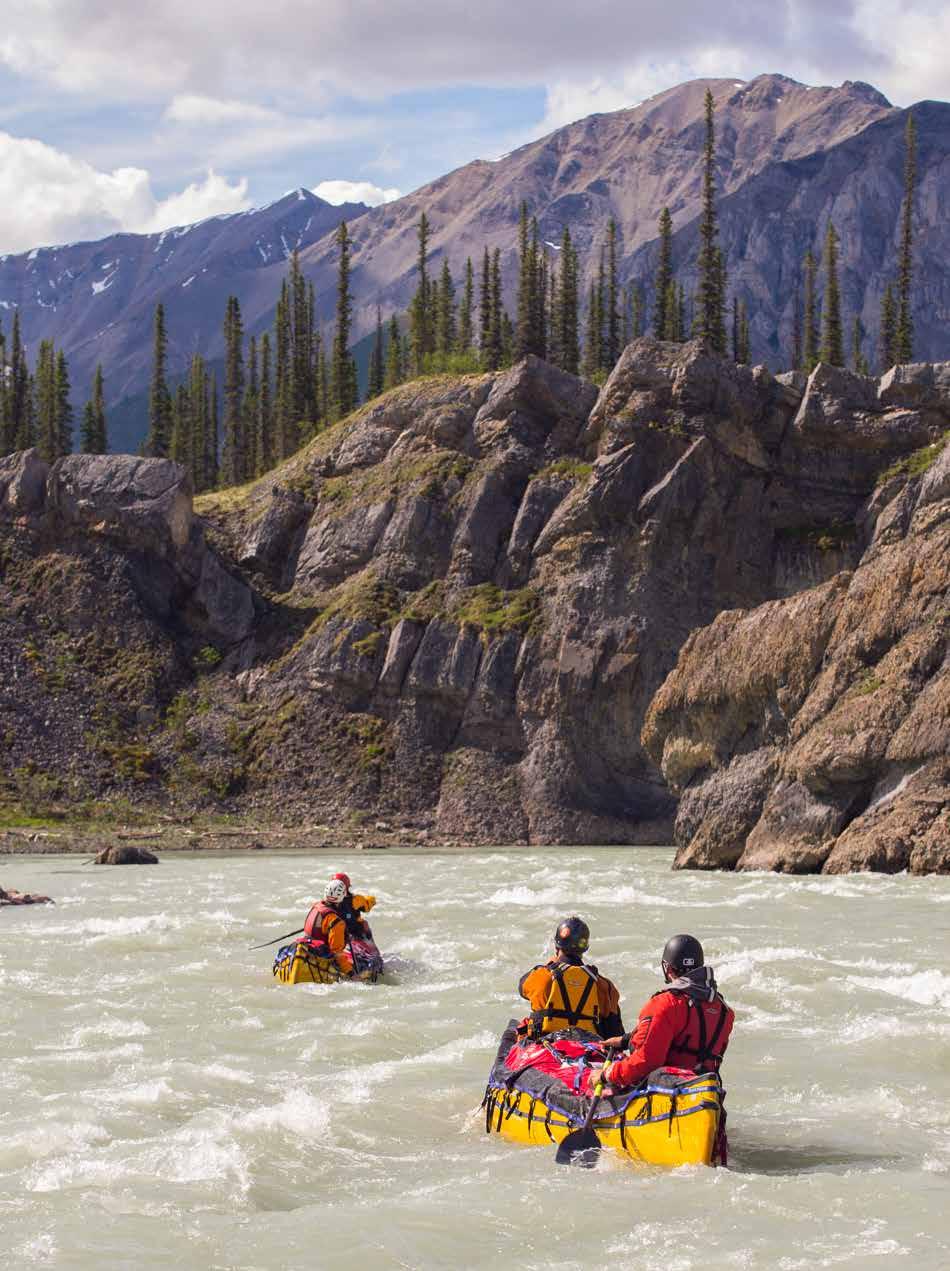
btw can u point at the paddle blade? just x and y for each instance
(580, 1147)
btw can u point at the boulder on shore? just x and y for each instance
(126, 854)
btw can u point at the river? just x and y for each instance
(165, 1103)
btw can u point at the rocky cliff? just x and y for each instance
(461, 608)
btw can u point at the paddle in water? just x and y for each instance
(582, 1147)
(277, 941)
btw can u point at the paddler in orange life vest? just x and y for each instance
(567, 992)
(337, 920)
(685, 1025)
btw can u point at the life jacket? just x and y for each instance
(702, 1044)
(356, 924)
(572, 1001)
(313, 925)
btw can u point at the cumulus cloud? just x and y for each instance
(337, 192)
(47, 197)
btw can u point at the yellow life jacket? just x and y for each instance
(572, 1001)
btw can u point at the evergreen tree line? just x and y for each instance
(35, 406)
(283, 386)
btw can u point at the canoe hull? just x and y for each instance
(675, 1119)
(301, 963)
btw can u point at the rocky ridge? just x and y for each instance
(459, 609)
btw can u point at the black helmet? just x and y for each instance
(572, 935)
(682, 953)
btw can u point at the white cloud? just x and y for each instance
(47, 197)
(337, 192)
(230, 132)
(299, 48)
(195, 108)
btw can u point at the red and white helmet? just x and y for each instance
(344, 879)
(334, 892)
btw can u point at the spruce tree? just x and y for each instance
(611, 300)
(542, 334)
(99, 409)
(445, 316)
(484, 308)
(251, 415)
(797, 351)
(394, 366)
(212, 463)
(374, 385)
(637, 311)
(64, 408)
(710, 317)
(466, 334)
(44, 402)
(179, 447)
(567, 335)
(858, 361)
(810, 321)
(904, 336)
(421, 317)
(159, 401)
(664, 277)
(600, 314)
(888, 345)
(343, 391)
(234, 451)
(527, 279)
(265, 427)
(590, 363)
(284, 422)
(198, 418)
(301, 338)
(674, 314)
(87, 431)
(494, 350)
(832, 336)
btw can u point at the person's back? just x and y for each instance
(567, 992)
(687, 1024)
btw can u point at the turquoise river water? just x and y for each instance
(165, 1103)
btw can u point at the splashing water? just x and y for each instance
(164, 1102)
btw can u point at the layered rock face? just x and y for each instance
(504, 608)
(813, 733)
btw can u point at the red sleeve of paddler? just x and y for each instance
(658, 1024)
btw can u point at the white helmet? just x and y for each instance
(334, 892)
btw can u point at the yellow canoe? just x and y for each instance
(306, 963)
(674, 1118)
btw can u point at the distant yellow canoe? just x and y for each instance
(673, 1119)
(304, 963)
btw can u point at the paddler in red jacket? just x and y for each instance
(685, 1025)
(337, 919)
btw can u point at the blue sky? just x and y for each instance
(120, 116)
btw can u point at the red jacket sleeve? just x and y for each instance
(661, 1020)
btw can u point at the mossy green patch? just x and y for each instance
(495, 611)
(567, 468)
(917, 462)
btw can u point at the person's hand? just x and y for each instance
(596, 1076)
(613, 1043)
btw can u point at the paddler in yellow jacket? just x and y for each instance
(338, 919)
(567, 992)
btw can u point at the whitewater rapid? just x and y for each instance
(165, 1103)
